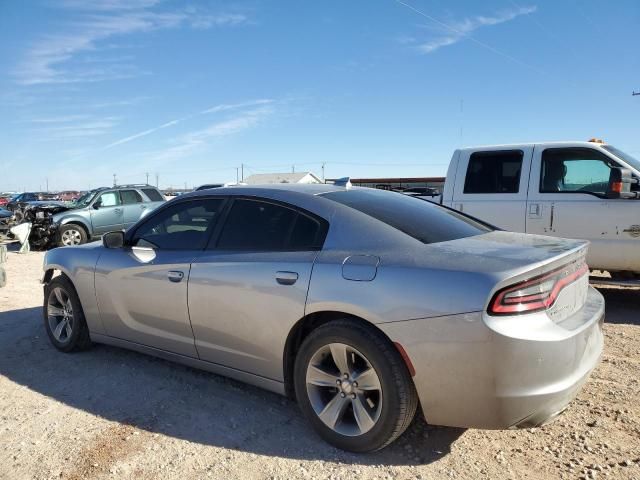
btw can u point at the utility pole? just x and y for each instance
(237, 174)
(322, 172)
(114, 180)
(242, 172)
(147, 174)
(293, 169)
(185, 187)
(47, 179)
(157, 181)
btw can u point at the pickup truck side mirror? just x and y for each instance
(96, 205)
(113, 239)
(620, 180)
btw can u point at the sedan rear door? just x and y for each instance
(250, 287)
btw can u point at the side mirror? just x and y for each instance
(96, 205)
(113, 239)
(620, 180)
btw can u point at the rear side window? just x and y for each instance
(494, 172)
(420, 219)
(153, 194)
(130, 196)
(263, 226)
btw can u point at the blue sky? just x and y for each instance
(192, 90)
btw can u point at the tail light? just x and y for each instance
(538, 293)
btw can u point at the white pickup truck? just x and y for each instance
(587, 190)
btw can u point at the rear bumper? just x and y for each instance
(480, 372)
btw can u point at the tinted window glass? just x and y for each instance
(108, 199)
(263, 226)
(494, 172)
(130, 196)
(183, 226)
(575, 170)
(153, 194)
(422, 220)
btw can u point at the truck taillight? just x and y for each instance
(537, 293)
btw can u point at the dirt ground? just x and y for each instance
(110, 413)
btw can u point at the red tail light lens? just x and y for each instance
(538, 293)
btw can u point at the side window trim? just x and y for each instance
(319, 240)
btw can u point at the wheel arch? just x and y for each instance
(303, 328)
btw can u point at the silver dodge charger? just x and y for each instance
(359, 303)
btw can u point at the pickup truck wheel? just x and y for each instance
(71, 234)
(353, 386)
(64, 318)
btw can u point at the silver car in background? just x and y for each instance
(361, 304)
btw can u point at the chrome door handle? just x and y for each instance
(175, 276)
(286, 278)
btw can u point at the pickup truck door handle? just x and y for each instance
(175, 276)
(286, 278)
(117, 210)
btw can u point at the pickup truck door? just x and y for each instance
(567, 199)
(492, 184)
(107, 213)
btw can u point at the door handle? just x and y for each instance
(175, 276)
(286, 278)
(117, 210)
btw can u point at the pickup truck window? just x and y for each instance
(574, 170)
(420, 219)
(494, 172)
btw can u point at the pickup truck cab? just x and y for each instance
(586, 190)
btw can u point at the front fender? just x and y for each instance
(79, 265)
(77, 219)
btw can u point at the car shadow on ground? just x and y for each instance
(181, 402)
(622, 305)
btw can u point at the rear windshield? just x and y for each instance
(421, 219)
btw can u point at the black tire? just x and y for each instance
(399, 396)
(79, 338)
(70, 228)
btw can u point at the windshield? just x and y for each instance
(420, 219)
(634, 162)
(85, 199)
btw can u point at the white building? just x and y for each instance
(298, 177)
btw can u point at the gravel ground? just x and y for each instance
(110, 413)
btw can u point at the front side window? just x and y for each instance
(130, 196)
(183, 226)
(254, 225)
(420, 219)
(575, 170)
(494, 172)
(108, 199)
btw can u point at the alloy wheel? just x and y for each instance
(60, 315)
(344, 389)
(71, 237)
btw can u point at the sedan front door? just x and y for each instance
(250, 288)
(142, 288)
